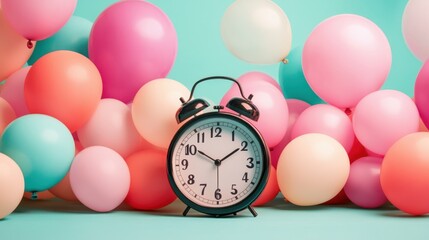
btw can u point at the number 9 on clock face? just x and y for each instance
(218, 163)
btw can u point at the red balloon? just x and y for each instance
(149, 188)
(340, 199)
(270, 191)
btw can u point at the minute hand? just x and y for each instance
(229, 155)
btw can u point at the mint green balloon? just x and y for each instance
(292, 79)
(73, 36)
(42, 147)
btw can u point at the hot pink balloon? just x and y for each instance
(100, 178)
(421, 95)
(273, 110)
(13, 91)
(328, 120)
(132, 43)
(258, 76)
(382, 118)
(345, 58)
(296, 107)
(37, 20)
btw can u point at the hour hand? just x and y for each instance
(207, 156)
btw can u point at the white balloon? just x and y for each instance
(257, 31)
(415, 27)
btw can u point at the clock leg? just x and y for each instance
(186, 211)
(254, 213)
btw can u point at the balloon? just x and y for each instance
(295, 107)
(45, 195)
(13, 91)
(339, 199)
(270, 191)
(273, 110)
(73, 36)
(256, 31)
(11, 185)
(37, 20)
(13, 49)
(149, 189)
(421, 89)
(414, 28)
(112, 126)
(382, 118)
(100, 178)
(292, 79)
(345, 58)
(73, 99)
(357, 151)
(312, 169)
(363, 185)
(132, 43)
(253, 77)
(404, 174)
(156, 126)
(325, 119)
(42, 147)
(7, 115)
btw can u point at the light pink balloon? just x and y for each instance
(273, 110)
(345, 58)
(100, 178)
(382, 118)
(111, 125)
(258, 76)
(296, 107)
(132, 43)
(37, 20)
(325, 119)
(13, 91)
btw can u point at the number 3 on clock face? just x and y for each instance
(217, 164)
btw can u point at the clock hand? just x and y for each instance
(205, 155)
(217, 176)
(230, 154)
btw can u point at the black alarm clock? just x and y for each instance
(218, 162)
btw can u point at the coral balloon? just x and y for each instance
(273, 110)
(13, 91)
(345, 58)
(325, 119)
(270, 191)
(73, 99)
(112, 126)
(252, 77)
(313, 168)
(100, 178)
(11, 185)
(13, 49)
(414, 22)
(154, 109)
(7, 115)
(132, 43)
(382, 118)
(37, 20)
(363, 185)
(256, 31)
(421, 89)
(149, 189)
(404, 174)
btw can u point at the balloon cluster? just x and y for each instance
(92, 116)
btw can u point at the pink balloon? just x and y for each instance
(258, 76)
(111, 125)
(100, 178)
(325, 119)
(296, 107)
(345, 58)
(421, 95)
(37, 20)
(13, 91)
(363, 186)
(382, 118)
(132, 43)
(273, 110)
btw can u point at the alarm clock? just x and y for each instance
(218, 162)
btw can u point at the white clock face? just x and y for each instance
(217, 162)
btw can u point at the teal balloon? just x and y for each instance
(43, 148)
(292, 79)
(73, 37)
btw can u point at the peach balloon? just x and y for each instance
(13, 49)
(154, 109)
(45, 195)
(11, 185)
(270, 191)
(313, 168)
(7, 115)
(13, 91)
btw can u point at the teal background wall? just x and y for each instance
(202, 53)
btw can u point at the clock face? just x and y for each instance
(218, 161)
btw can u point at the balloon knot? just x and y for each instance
(285, 61)
(34, 196)
(30, 44)
(348, 111)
